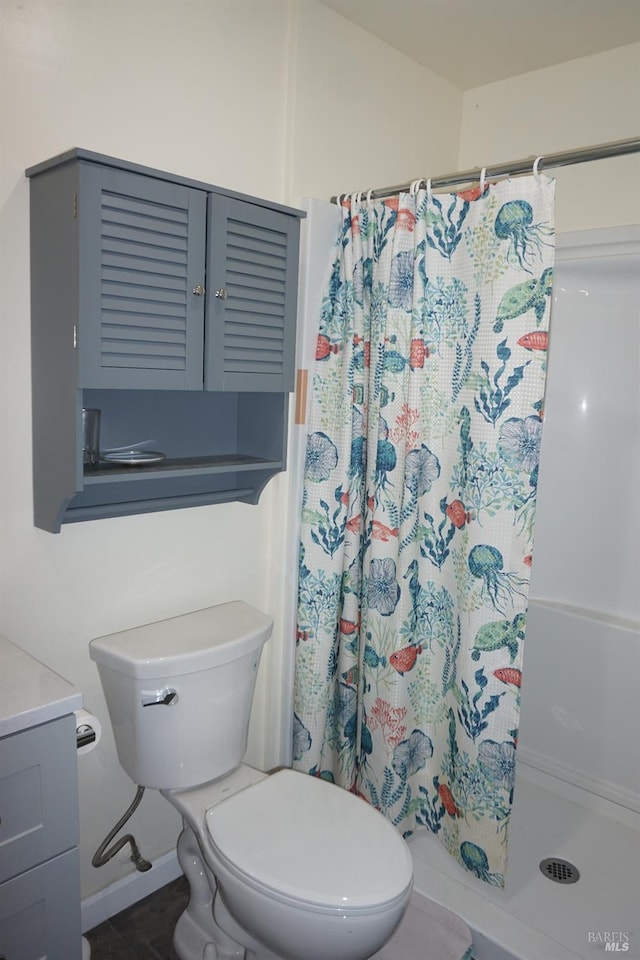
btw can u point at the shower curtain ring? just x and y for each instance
(536, 164)
(429, 193)
(483, 175)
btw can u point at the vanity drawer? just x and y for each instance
(38, 795)
(39, 920)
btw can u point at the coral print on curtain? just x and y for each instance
(418, 512)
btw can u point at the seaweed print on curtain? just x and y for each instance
(418, 509)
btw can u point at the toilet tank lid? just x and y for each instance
(184, 644)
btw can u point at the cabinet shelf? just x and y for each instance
(205, 437)
(179, 466)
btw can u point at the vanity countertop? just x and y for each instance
(31, 693)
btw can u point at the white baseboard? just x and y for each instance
(127, 891)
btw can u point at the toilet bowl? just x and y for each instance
(280, 867)
(308, 869)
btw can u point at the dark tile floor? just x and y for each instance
(143, 931)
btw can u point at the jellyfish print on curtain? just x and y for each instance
(418, 508)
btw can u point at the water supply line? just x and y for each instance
(101, 857)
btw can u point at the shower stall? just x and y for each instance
(577, 796)
(574, 863)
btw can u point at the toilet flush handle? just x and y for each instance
(159, 698)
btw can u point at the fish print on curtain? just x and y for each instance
(418, 509)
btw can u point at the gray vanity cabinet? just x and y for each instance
(170, 306)
(39, 871)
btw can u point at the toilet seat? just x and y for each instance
(306, 842)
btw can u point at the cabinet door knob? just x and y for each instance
(221, 293)
(198, 291)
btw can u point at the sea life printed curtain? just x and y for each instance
(418, 507)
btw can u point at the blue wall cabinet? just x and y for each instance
(170, 306)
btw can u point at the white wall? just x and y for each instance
(575, 104)
(243, 93)
(362, 114)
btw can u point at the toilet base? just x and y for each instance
(253, 949)
(205, 930)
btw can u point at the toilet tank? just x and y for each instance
(179, 693)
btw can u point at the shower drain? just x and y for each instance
(560, 871)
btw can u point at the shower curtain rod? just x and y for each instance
(615, 148)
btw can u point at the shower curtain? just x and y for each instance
(418, 507)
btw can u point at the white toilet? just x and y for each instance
(280, 867)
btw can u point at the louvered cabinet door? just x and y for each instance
(141, 281)
(252, 267)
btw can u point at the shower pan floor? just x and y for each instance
(534, 918)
